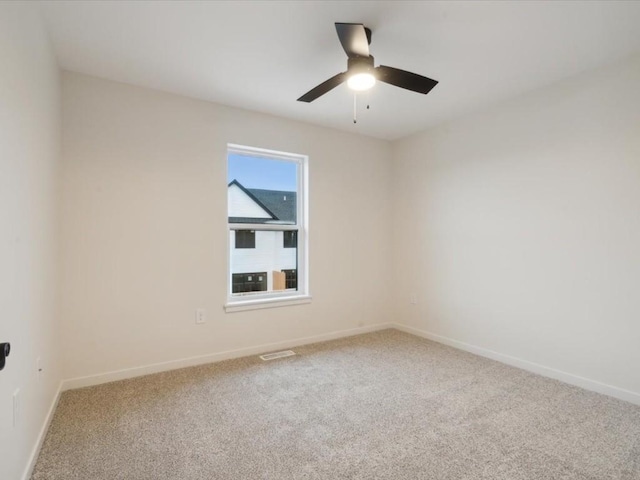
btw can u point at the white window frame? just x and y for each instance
(275, 299)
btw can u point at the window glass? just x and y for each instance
(266, 224)
(249, 282)
(290, 239)
(245, 239)
(291, 278)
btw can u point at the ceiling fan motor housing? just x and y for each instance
(360, 65)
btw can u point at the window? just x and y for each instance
(291, 278)
(267, 222)
(245, 239)
(290, 239)
(249, 282)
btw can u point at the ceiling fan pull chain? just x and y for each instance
(355, 96)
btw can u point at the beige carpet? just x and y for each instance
(385, 405)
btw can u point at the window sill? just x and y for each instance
(242, 305)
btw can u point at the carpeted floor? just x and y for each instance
(385, 405)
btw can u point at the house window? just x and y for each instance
(291, 278)
(245, 239)
(290, 239)
(267, 221)
(249, 282)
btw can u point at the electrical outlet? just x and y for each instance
(16, 407)
(201, 316)
(413, 300)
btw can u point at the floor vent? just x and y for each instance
(273, 356)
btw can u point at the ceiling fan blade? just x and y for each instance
(323, 88)
(404, 79)
(353, 38)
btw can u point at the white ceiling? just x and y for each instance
(262, 55)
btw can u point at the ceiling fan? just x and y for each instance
(361, 74)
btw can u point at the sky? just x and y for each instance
(255, 172)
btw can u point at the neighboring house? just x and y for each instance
(262, 260)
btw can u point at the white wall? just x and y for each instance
(29, 152)
(518, 228)
(144, 227)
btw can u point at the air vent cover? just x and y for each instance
(273, 356)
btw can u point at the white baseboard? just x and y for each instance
(569, 378)
(113, 376)
(28, 471)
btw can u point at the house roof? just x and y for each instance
(280, 204)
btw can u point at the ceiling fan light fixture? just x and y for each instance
(361, 73)
(361, 81)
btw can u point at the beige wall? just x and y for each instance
(520, 227)
(144, 228)
(29, 153)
